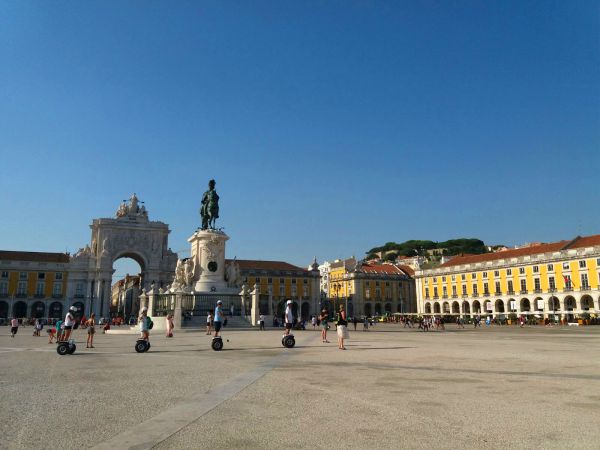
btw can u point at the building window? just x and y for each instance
(57, 289)
(293, 281)
(474, 289)
(270, 280)
(377, 293)
(368, 293)
(497, 287)
(536, 269)
(388, 294)
(536, 284)
(485, 288)
(443, 279)
(281, 291)
(551, 283)
(484, 274)
(22, 275)
(79, 289)
(510, 287)
(584, 281)
(445, 291)
(463, 277)
(497, 273)
(305, 291)
(377, 283)
(464, 290)
(522, 270)
(58, 276)
(566, 266)
(435, 279)
(453, 277)
(523, 286)
(426, 292)
(387, 283)
(435, 292)
(454, 290)
(41, 275)
(281, 281)
(568, 282)
(473, 276)
(22, 288)
(39, 288)
(582, 264)
(3, 288)
(305, 281)
(550, 267)
(509, 272)
(4, 274)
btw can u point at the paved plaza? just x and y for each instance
(500, 387)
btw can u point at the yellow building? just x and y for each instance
(557, 279)
(369, 288)
(278, 282)
(33, 284)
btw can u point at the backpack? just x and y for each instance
(150, 323)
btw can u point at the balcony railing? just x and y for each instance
(584, 287)
(486, 294)
(537, 291)
(435, 297)
(454, 296)
(498, 293)
(523, 291)
(552, 290)
(568, 289)
(57, 296)
(21, 295)
(444, 296)
(4, 295)
(38, 296)
(78, 296)
(510, 292)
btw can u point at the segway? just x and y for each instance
(217, 344)
(66, 347)
(288, 341)
(142, 346)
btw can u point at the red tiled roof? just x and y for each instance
(385, 269)
(8, 255)
(585, 241)
(250, 264)
(408, 270)
(578, 242)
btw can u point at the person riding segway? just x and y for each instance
(218, 321)
(66, 345)
(143, 343)
(288, 339)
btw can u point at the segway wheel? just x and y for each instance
(283, 341)
(72, 349)
(289, 342)
(62, 349)
(217, 345)
(141, 346)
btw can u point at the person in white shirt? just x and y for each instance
(289, 318)
(209, 319)
(14, 326)
(69, 323)
(261, 322)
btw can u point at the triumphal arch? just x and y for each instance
(130, 233)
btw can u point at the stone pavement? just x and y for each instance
(393, 388)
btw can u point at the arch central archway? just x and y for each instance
(130, 234)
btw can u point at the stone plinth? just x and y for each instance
(208, 253)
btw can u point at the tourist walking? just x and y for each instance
(209, 323)
(355, 322)
(366, 324)
(14, 327)
(313, 320)
(324, 325)
(342, 328)
(169, 324)
(91, 330)
(261, 322)
(37, 327)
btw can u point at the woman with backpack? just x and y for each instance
(145, 324)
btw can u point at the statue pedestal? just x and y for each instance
(208, 253)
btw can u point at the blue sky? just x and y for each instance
(330, 127)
